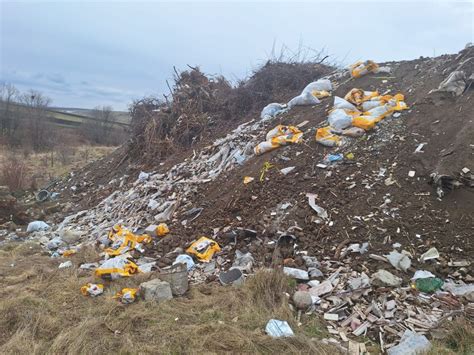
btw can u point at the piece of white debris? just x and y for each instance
(411, 173)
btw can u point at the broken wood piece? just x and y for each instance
(361, 329)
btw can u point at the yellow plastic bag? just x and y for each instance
(162, 230)
(248, 179)
(325, 137)
(204, 249)
(123, 240)
(365, 122)
(358, 96)
(361, 68)
(69, 252)
(127, 295)
(278, 136)
(117, 267)
(92, 289)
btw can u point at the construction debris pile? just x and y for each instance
(373, 250)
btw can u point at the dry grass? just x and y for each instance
(43, 312)
(23, 171)
(456, 337)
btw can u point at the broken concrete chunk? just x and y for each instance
(331, 316)
(386, 278)
(314, 273)
(296, 273)
(167, 213)
(432, 253)
(156, 290)
(398, 260)
(321, 289)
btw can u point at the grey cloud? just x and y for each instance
(92, 53)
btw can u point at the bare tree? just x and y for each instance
(39, 133)
(99, 128)
(9, 121)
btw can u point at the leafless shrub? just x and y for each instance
(13, 173)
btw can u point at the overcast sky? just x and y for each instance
(84, 54)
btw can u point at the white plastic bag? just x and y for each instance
(318, 85)
(339, 119)
(271, 110)
(185, 259)
(339, 102)
(36, 226)
(368, 105)
(410, 344)
(278, 328)
(305, 99)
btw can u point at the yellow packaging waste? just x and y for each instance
(92, 289)
(278, 136)
(325, 137)
(123, 240)
(117, 267)
(127, 295)
(359, 69)
(204, 249)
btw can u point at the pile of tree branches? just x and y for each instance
(197, 102)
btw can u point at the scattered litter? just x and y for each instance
(422, 274)
(116, 267)
(92, 289)
(185, 259)
(411, 343)
(243, 261)
(279, 136)
(37, 226)
(278, 328)
(330, 158)
(65, 264)
(142, 177)
(398, 260)
(419, 149)
(322, 213)
(359, 69)
(248, 179)
(296, 273)
(286, 171)
(386, 278)
(411, 173)
(127, 295)
(272, 110)
(432, 253)
(428, 284)
(233, 276)
(204, 249)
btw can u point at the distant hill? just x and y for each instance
(121, 116)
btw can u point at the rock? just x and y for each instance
(384, 277)
(151, 230)
(69, 236)
(296, 273)
(321, 289)
(302, 299)
(156, 290)
(390, 305)
(359, 282)
(314, 273)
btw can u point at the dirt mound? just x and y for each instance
(379, 193)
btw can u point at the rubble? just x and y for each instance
(156, 290)
(368, 201)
